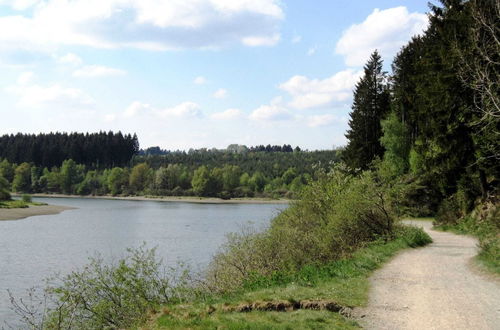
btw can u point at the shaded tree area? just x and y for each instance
(98, 150)
(439, 130)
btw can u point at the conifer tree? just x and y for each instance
(371, 104)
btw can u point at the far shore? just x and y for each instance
(32, 210)
(183, 199)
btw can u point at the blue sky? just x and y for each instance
(194, 73)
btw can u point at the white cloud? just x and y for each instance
(183, 110)
(386, 30)
(200, 80)
(271, 112)
(91, 71)
(135, 108)
(227, 114)
(25, 78)
(312, 93)
(36, 96)
(147, 24)
(109, 118)
(70, 58)
(296, 39)
(220, 93)
(255, 41)
(311, 51)
(323, 120)
(20, 4)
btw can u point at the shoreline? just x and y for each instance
(32, 210)
(180, 199)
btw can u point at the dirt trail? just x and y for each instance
(435, 287)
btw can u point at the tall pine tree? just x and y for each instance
(370, 106)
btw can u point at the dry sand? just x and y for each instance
(434, 287)
(20, 213)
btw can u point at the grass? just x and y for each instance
(18, 204)
(344, 282)
(489, 242)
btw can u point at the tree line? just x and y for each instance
(237, 148)
(97, 150)
(219, 173)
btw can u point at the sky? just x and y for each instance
(194, 73)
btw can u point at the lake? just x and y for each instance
(34, 248)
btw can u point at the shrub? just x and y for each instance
(27, 198)
(414, 236)
(4, 186)
(449, 211)
(104, 296)
(336, 215)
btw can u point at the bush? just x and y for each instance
(27, 198)
(414, 236)
(449, 211)
(103, 296)
(337, 215)
(4, 189)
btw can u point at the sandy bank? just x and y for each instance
(186, 199)
(21, 213)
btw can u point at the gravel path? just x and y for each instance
(435, 287)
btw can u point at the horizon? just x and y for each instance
(201, 74)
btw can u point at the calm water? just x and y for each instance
(37, 247)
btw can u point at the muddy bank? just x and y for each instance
(21, 213)
(186, 199)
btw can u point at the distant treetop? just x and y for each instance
(93, 149)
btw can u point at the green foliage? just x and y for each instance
(107, 296)
(22, 178)
(7, 170)
(13, 204)
(201, 181)
(103, 149)
(370, 106)
(139, 177)
(323, 226)
(117, 181)
(397, 145)
(4, 189)
(26, 198)
(231, 177)
(416, 162)
(225, 180)
(415, 237)
(69, 176)
(91, 185)
(257, 182)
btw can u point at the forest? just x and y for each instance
(237, 171)
(97, 150)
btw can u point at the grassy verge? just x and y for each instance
(344, 282)
(18, 204)
(489, 241)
